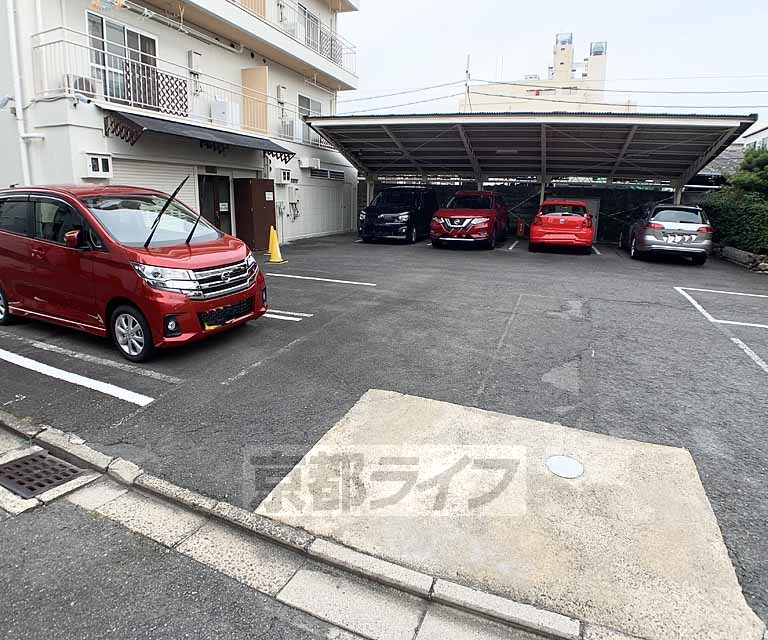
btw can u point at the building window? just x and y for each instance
(309, 107)
(123, 61)
(311, 24)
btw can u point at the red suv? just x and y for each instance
(471, 216)
(562, 223)
(123, 262)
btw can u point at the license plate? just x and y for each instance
(223, 315)
(678, 238)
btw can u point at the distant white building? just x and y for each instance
(569, 86)
(756, 140)
(145, 92)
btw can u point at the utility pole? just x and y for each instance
(468, 96)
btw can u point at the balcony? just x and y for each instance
(281, 30)
(69, 63)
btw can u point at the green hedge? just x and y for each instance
(740, 219)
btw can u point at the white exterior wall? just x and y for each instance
(73, 130)
(10, 158)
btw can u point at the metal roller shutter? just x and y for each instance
(155, 175)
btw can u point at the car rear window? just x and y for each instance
(563, 210)
(470, 202)
(16, 216)
(679, 215)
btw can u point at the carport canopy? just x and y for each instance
(483, 146)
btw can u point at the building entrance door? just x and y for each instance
(255, 210)
(215, 201)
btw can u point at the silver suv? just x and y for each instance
(672, 229)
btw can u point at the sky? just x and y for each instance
(408, 44)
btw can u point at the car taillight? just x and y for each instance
(705, 229)
(587, 223)
(654, 225)
(538, 220)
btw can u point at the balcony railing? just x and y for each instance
(65, 64)
(304, 26)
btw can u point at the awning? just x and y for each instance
(483, 146)
(129, 126)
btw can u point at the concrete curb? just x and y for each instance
(431, 588)
(745, 259)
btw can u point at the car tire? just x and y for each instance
(587, 251)
(131, 334)
(633, 252)
(5, 313)
(413, 235)
(491, 244)
(367, 239)
(533, 248)
(437, 244)
(699, 260)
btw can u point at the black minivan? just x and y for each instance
(401, 213)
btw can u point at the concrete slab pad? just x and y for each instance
(161, 521)
(632, 544)
(68, 444)
(124, 471)
(442, 623)
(97, 494)
(355, 604)
(9, 441)
(15, 505)
(262, 565)
(67, 487)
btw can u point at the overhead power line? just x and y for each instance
(564, 85)
(618, 104)
(406, 104)
(402, 93)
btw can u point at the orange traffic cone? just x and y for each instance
(272, 233)
(275, 256)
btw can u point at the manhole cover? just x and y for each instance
(33, 474)
(565, 467)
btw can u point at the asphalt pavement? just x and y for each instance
(596, 342)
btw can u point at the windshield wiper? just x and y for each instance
(162, 211)
(194, 226)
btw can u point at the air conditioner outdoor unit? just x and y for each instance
(309, 163)
(90, 87)
(282, 93)
(282, 176)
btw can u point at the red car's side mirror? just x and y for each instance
(73, 239)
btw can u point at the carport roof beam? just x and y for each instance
(405, 152)
(623, 152)
(705, 158)
(470, 153)
(543, 153)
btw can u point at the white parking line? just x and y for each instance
(287, 275)
(514, 244)
(73, 378)
(728, 293)
(104, 362)
(276, 317)
(741, 324)
(596, 250)
(719, 324)
(293, 313)
(356, 241)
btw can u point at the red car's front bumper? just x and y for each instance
(198, 319)
(568, 238)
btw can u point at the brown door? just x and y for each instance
(254, 211)
(215, 201)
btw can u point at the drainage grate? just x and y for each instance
(33, 474)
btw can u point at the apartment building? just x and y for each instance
(568, 86)
(756, 140)
(147, 93)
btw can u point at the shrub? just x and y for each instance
(740, 219)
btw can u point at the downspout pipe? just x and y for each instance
(18, 96)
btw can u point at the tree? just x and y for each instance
(753, 172)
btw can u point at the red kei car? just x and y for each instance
(562, 223)
(470, 216)
(101, 259)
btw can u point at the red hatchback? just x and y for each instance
(562, 223)
(470, 216)
(123, 262)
